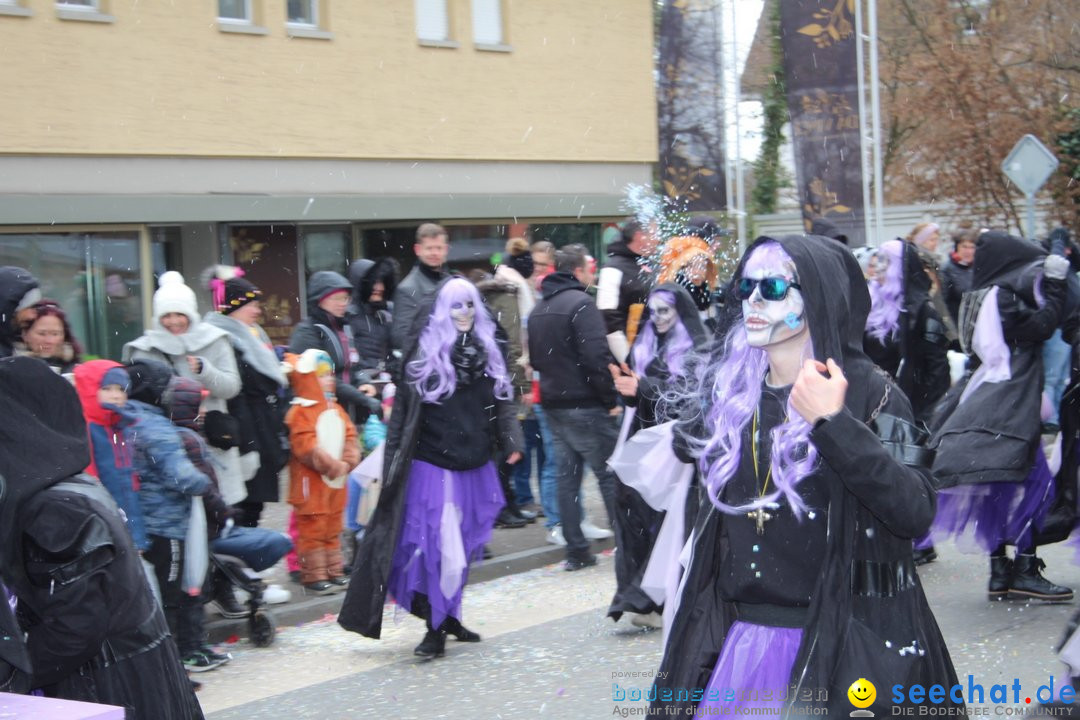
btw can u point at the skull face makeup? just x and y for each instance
(770, 322)
(463, 314)
(663, 315)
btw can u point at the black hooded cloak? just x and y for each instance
(994, 435)
(637, 523)
(362, 610)
(94, 631)
(868, 604)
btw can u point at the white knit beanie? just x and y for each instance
(174, 296)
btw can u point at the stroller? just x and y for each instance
(239, 576)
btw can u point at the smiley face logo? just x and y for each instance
(862, 693)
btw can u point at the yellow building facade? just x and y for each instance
(296, 136)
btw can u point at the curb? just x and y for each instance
(309, 609)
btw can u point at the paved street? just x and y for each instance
(549, 651)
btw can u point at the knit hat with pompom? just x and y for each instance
(174, 296)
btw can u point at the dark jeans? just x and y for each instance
(183, 613)
(258, 548)
(579, 436)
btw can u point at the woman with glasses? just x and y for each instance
(800, 579)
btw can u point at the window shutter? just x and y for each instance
(432, 22)
(487, 22)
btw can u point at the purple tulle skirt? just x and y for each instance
(985, 516)
(426, 541)
(753, 670)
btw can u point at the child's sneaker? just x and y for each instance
(221, 658)
(201, 662)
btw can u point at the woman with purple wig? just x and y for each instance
(800, 579)
(997, 488)
(905, 335)
(440, 491)
(906, 338)
(670, 331)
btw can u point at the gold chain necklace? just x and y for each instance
(759, 516)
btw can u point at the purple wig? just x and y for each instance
(676, 343)
(732, 385)
(432, 372)
(887, 295)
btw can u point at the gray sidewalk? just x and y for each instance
(515, 551)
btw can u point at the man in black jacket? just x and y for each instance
(568, 347)
(624, 283)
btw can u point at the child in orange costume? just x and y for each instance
(324, 450)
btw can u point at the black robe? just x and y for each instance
(636, 523)
(868, 592)
(994, 435)
(362, 609)
(94, 631)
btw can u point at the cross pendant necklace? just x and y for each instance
(759, 516)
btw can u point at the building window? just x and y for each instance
(303, 12)
(240, 16)
(433, 23)
(235, 11)
(303, 19)
(95, 276)
(487, 22)
(90, 10)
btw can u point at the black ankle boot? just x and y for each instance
(1001, 568)
(1029, 584)
(463, 634)
(433, 646)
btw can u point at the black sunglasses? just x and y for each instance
(772, 288)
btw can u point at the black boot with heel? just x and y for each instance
(454, 627)
(1028, 583)
(1001, 570)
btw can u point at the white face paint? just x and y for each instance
(663, 315)
(770, 322)
(463, 314)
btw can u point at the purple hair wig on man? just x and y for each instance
(676, 343)
(887, 294)
(432, 371)
(731, 382)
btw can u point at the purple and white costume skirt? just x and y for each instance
(984, 516)
(448, 516)
(753, 670)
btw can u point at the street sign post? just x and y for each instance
(1029, 165)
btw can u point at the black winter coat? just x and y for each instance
(568, 347)
(371, 323)
(362, 610)
(634, 283)
(259, 410)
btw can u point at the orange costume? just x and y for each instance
(324, 450)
